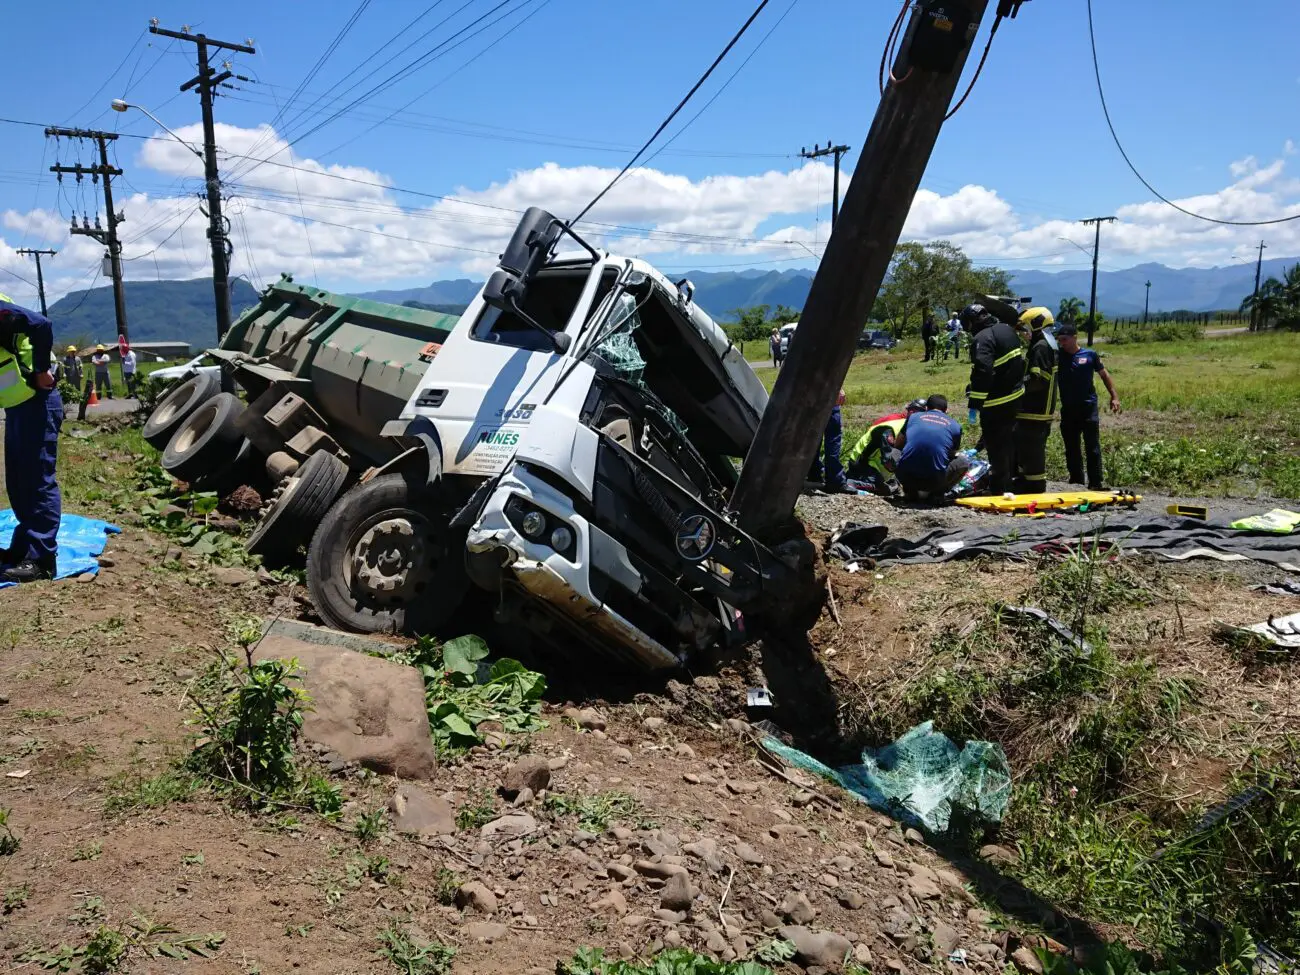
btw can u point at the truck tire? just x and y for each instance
(177, 405)
(207, 441)
(386, 560)
(300, 503)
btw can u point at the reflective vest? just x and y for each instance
(15, 367)
(871, 442)
(1039, 401)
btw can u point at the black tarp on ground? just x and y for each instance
(1166, 535)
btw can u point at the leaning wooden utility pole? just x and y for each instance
(912, 109)
(1096, 253)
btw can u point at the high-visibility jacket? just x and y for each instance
(17, 356)
(873, 440)
(1039, 401)
(997, 375)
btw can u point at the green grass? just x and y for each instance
(1213, 416)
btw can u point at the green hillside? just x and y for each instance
(156, 311)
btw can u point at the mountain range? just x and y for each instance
(182, 310)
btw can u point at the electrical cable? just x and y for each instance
(691, 121)
(673, 114)
(885, 62)
(396, 76)
(113, 74)
(1092, 36)
(979, 69)
(15, 274)
(99, 269)
(380, 233)
(315, 68)
(193, 210)
(372, 58)
(447, 77)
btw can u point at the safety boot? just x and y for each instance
(29, 570)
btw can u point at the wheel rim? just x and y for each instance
(196, 426)
(392, 558)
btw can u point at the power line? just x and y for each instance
(113, 74)
(372, 58)
(380, 233)
(455, 71)
(1154, 192)
(315, 68)
(673, 114)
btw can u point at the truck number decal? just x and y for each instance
(523, 412)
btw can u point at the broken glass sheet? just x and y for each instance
(619, 349)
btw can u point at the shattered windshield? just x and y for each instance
(619, 349)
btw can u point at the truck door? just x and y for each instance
(484, 383)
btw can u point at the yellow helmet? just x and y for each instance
(100, 348)
(71, 350)
(1037, 318)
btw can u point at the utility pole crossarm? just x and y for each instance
(203, 38)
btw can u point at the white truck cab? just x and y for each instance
(572, 445)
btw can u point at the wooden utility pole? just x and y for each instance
(1146, 308)
(206, 81)
(106, 236)
(932, 53)
(40, 278)
(1096, 250)
(1254, 304)
(837, 152)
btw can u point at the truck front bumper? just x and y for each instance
(560, 582)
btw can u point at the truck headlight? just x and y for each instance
(533, 524)
(561, 539)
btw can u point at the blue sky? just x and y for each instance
(578, 82)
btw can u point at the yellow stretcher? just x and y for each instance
(1050, 501)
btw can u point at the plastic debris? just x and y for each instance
(1282, 632)
(1056, 626)
(921, 778)
(1279, 521)
(80, 540)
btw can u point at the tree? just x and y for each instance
(751, 323)
(1269, 304)
(924, 278)
(1070, 310)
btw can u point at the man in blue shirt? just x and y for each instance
(1079, 419)
(930, 461)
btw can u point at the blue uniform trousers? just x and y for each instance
(31, 451)
(832, 444)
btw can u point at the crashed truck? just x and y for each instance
(570, 444)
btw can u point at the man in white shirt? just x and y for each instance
(128, 371)
(103, 379)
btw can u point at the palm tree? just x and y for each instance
(1071, 309)
(1267, 305)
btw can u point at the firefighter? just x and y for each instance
(33, 417)
(997, 381)
(1038, 405)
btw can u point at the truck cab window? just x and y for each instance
(551, 298)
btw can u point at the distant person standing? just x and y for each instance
(128, 371)
(72, 367)
(774, 346)
(1079, 417)
(103, 380)
(954, 337)
(929, 334)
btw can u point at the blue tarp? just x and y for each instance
(921, 777)
(80, 542)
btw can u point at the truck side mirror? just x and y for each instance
(531, 243)
(502, 291)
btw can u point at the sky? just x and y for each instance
(485, 107)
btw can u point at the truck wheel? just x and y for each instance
(207, 441)
(298, 507)
(385, 559)
(177, 405)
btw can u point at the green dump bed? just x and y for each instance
(356, 361)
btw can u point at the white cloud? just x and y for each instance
(348, 227)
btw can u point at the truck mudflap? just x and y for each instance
(558, 578)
